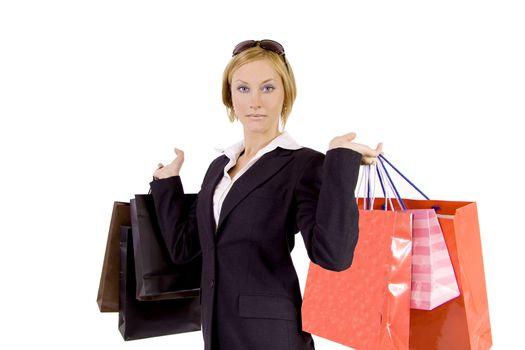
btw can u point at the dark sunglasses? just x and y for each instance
(266, 44)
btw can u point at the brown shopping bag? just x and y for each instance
(108, 290)
(366, 306)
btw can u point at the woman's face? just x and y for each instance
(257, 96)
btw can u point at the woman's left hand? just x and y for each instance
(369, 155)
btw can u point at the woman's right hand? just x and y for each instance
(172, 169)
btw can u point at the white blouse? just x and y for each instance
(284, 140)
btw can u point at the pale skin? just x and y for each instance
(257, 89)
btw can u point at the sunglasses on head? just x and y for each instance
(266, 44)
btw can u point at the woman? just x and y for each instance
(254, 198)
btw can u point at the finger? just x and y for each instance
(379, 148)
(370, 152)
(350, 136)
(369, 160)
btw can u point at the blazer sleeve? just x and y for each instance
(326, 210)
(178, 223)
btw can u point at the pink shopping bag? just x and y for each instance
(433, 278)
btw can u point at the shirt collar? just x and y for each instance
(284, 140)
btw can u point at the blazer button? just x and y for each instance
(212, 283)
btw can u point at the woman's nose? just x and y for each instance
(255, 100)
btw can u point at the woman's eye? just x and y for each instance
(267, 88)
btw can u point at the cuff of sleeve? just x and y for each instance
(172, 182)
(343, 161)
(346, 154)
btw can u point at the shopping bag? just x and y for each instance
(463, 322)
(144, 319)
(156, 275)
(368, 305)
(433, 278)
(108, 290)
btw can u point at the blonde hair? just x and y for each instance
(281, 66)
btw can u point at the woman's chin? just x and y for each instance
(257, 130)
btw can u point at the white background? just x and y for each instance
(93, 94)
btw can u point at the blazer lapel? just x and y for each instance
(206, 196)
(264, 168)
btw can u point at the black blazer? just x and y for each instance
(250, 294)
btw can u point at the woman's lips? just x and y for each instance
(256, 116)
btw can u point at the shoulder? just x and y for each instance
(304, 160)
(308, 156)
(334, 153)
(307, 153)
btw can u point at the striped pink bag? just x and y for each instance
(433, 278)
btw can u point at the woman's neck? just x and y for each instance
(254, 142)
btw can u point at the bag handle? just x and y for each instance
(370, 187)
(384, 180)
(381, 159)
(364, 181)
(388, 179)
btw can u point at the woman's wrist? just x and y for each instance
(331, 146)
(165, 176)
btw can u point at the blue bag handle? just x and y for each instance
(381, 159)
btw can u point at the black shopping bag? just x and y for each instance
(157, 276)
(145, 319)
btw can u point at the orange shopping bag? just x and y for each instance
(368, 305)
(462, 323)
(343, 306)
